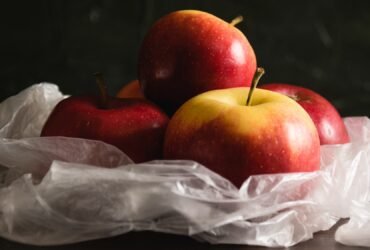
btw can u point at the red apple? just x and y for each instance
(237, 138)
(327, 120)
(136, 126)
(130, 90)
(188, 52)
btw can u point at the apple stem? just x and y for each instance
(236, 20)
(257, 76)
(102, 89)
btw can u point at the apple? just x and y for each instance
(136, 126)
(269, 133)
(130, 90)
(326, 118)
(188, 52)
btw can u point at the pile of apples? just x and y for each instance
(193, 100)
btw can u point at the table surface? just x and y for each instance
(141, 240)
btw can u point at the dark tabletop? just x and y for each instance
(143, 240)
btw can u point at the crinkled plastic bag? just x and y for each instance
(56, 190)
(23, 115)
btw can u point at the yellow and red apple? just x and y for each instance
(188, 52)
(273, 134)
(327, 119)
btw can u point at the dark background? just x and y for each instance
(323, 45)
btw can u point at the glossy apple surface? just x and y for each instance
(135, 126)
(189, 52)
(272, 135)
(130, 90)
(327, 120)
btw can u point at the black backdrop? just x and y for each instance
(323, 45)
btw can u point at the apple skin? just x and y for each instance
(135, 126)
(130, 90)
(326, 118)
(217, 129)
(188, 52)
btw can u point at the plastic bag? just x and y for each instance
(64, 190)
(23, 115)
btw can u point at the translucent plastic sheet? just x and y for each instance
(63, 190)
